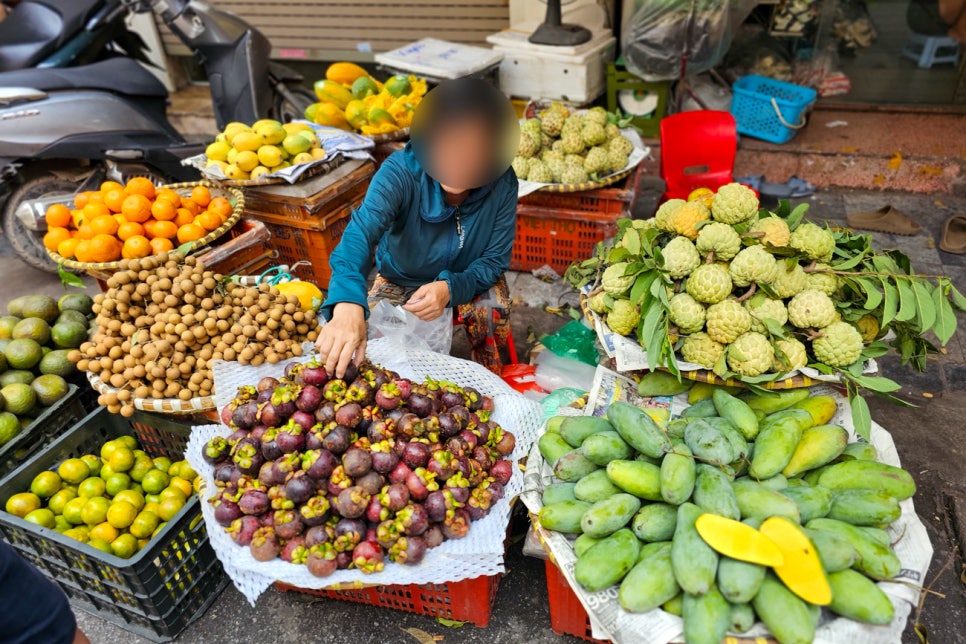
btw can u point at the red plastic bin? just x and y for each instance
(470, 600)
(567, 614)
(558, 237)
(601, 201)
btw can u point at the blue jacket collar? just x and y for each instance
(432, 200)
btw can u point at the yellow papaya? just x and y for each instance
(357, 113)
(344, 73)
(801, 570)
(309, 295)
(331, 116)
(331, 92)
(738, 540)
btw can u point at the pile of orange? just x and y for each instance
(131, 221)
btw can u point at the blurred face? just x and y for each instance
(462, 155)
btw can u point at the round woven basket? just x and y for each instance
(313, 169)
(398, 135)
(236, 198)
(169, 406)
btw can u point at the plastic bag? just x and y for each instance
(573, 340)
(554, 372)
(559, 398)
(663, 34)
(401, 326)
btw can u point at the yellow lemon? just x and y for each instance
(218, 151)
(246, 160)
(246, 141)
(269, 156)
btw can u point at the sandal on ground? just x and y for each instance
(953, 238)
(885, 220)
(753, 181)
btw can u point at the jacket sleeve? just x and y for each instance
(351, 260)
(483, 272)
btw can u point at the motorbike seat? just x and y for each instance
(121, 75)
(34, 29)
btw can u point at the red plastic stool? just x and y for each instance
(697, 151)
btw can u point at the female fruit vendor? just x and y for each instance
(439, 217)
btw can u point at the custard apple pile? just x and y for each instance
(747, 293)
(573, 147)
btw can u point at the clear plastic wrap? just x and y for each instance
(663, 34)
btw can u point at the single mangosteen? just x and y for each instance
(295, 551)
(420, 405)
(334, 390)
(291, 437)
(226, 511)
(264, 544)
(501, 471)
(245, 416)
(413, 519)
(400, 473)
(325, 413)
(253, 502)
(409, 550)
(321, 560)
(299, 488)
(309, 399)
(216, 450)
(337, 440)
(243, 529)
(267, 384)
(368, 557)
(457, 525)
(433, 535)
(318, 464)
(288, 524)
(314, 374)
(451, 399)
(315, 511)
(371, 482)
(383, 458)
(349, 414)
(352, 502)
(317, 534)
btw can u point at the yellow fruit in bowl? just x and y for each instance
(269, 156)
(318, 153)
(246, 161)
(265, 122)
(304, 157)
(218, 151)
(233, 129)
(246, 141)
(235, 173)
(296, 144)
(219, 164)
(271, 133)
(259, 171)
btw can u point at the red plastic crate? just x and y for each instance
(470, 600)
(612, 201)
(558, 237)
(567, 614)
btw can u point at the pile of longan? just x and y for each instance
(164, 320)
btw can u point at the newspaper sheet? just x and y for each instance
(611, 622)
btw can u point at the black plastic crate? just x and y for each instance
(161, 589)
(51, 423)
(85, 392)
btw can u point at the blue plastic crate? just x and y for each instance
(769, 109)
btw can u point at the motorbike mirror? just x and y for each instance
(12, 94)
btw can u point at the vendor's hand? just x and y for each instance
(429, 301)
(343, 337)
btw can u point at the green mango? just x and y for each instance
(573, 466)
(738, 412)
(650, 583)
(857, 597)
(610, 515)
(872, 558)
(702, 409)
(739, 581)
(869, 475)
(595, 487)
(552, 447)
(813, 502)
(713, 492)
(655, 522)
(775, 400)
(695, 562)
(608, 561)
(707, 617)
(641, 479)
(662, 383)
(556, 492)
(786, 616)
(563, 516)
(583, 543)
(603, 447)
(835, 552)
(707, 443)
(777, 441)
(574, 429)
(677, 475)
(757, 501)
(742, 618)
(864, 507)
(638, 429)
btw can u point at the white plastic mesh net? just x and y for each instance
(479, 553)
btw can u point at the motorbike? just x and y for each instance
(65, 130)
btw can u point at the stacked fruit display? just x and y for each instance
(131, 221)
(339, 473)
(163, 322)
(743, 507)
(245, 152)
(561, 146)
(351, 99)
(756, 295)
(115, 501)
(36, 337)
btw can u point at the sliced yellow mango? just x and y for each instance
(738, 540)
(801, 570)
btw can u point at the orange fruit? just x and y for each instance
(190, 205)
(81, 198)
(85, 231)
(190, 232)
(67, 248)
(129, 229)
(136, 247)
(107, 186)
(137, 208)
(209, 220)
(183, 217)
(54, 237)
(161, 245)
(114, 199)
(170, 195)
(163, 210)
(58, 215)
(141, 186)
(163, 229)
(201, 195)
(92, 209)
(221, 206)
(96, 197)
(82, 251)
(105, 248)
(104, 225)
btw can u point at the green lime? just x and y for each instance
(125, 546)
(40, 306)
(22, 504)
(32, 329)
(20, 399)
(68, 334)
(49, 389)
(92, 486)
(77, 535)
(133, 497)
(57, 363)
(104, 531)
(170, 507)
(144, 524)
(163, 463)
(7, 322)
(73, 510)
(72, 316)
(21, 376)
(95, 510)
(121, 459)
(23, 353)
(74, 470)
(142, 465)
(60, 524)
(129, 441)
(46, 484)
(121, 514)
(102, 545)
(80, 302)
(93, 463)
(154, 481)
(117, 483)
(42, 517)
(9, 427)
(59, 501)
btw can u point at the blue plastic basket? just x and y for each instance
(769, 109)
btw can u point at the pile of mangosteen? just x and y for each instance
(338, 473)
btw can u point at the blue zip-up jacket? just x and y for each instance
(416, 235)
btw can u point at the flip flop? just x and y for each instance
(885, 220)
(953, 239)
(794, 187)
(753, 181)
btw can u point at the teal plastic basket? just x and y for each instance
(769, 109)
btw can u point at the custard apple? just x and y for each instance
(726, 320)
(709, 283)
(574, 160)
(680, 257)
(532, 127)
(539, 172)
(701, 350)
(720, 239)
(751, 354)
(593, 134)
(598, 302)
(644, 224)
(612, 131)
(774, 229)
(840, 345)
(788, 282)
(734, 203)
(794, 356)
(828, 283)
(573, 143)
(557, 167)
(551, 122)
(521, 166)
(620, 143)
(596, 115)
(549, 154)
(665, 210)
(686, 312)
(811, 309)
(752, 264)
(812, 241)
(683, 219)
(573, 174)
(596, 161)
(545, 141)
(558, 146)
(623, 317)
(761, 307)
(614, 281)
(529, 145)
(616, 160)
(573, 124)
(868, 326)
